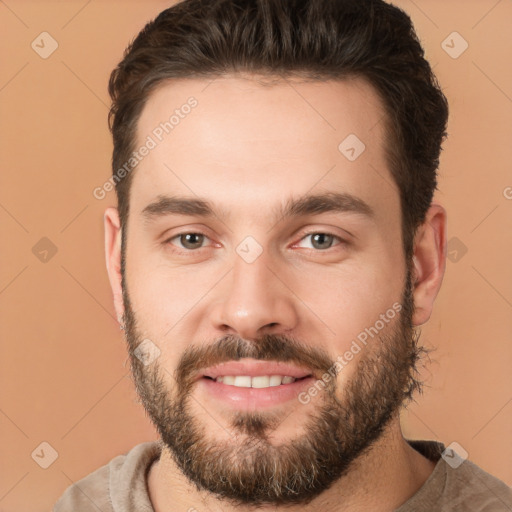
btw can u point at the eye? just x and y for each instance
(320, 241)
(189, 241)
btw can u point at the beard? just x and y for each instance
(248, 469)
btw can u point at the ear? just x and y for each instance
(113, 257)
(429, 261)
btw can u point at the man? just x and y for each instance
(274, 248)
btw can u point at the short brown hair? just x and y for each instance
(312, 39)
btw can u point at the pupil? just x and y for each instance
(321, 239)
(191, 240)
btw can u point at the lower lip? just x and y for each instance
(255, 398)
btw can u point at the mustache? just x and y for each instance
(269, 347)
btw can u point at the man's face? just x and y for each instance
(248, 293)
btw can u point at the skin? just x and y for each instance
(247, 148)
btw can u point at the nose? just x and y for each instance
(255, 301)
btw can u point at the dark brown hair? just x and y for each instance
(310, 39)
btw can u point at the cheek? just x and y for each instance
(161, 294)
(168, 303)
(351, 299)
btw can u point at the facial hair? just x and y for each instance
(341, 427)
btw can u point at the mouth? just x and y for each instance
(254, 384)
(258, 381)
(256, 373)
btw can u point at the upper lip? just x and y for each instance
(254, 368)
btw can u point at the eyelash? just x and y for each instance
(182, 251)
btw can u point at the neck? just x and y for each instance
(382, 479)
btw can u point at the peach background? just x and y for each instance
(64, 371)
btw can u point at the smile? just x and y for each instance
(259, 381)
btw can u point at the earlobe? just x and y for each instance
(112, 225)
(429, 262)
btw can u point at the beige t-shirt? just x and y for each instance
(121, 485)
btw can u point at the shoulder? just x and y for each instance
(123, 475)
(456, 485)
(469, 487)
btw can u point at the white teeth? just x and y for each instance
(242, 381)
(260, 381)
(275, 380)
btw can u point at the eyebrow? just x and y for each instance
(294, 207)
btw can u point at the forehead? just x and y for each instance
(245, 143)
